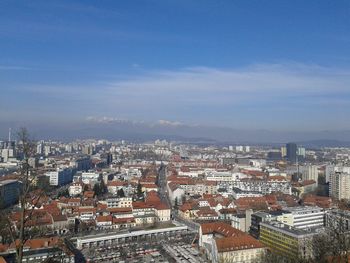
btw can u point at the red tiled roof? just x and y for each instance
(121, 210)
(107, 218)
(123, 220)
(237, 243)
(220, 228)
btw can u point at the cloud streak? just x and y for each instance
(257, 96)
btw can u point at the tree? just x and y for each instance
(103, 187)
(86, 188)
(120, 193)
(139, 191)
(97, 189)
(64, 193)
(333, 245)
(26, 147)
(176, 205)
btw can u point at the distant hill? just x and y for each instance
(143, 131)
(324, 143)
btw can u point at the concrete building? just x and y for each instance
(61, 176)
(310, 172)
(82, 164)
(260, 217)
(90, 178)
(338, 219)
(75, 189)
(301, 152)
(273, 184)
(330, 169)
(9, 192)
(303, 217)
(284, 151)
(223, 243)
(339, 185)
(286, 240)
(242, 221)
(291, 152)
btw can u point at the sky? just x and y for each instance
(274, 65)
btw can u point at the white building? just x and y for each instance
(61, 176)
(263, 186)
(303, 217)
(339, 185)
(75, 189)
(90, 178)
(309, 172)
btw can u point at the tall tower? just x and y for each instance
(9, 134)
(292, 152)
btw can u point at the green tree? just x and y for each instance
(139, 191)
(103, 187)
(120, 193)
(97, 189)
(176, 205)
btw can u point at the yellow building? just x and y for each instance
(286, 240)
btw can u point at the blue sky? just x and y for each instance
(278, 65)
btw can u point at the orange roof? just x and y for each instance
(206, 212)
(115, 210)
(123, 220)
(101, 206)
(237, 243)
(87, 209)
(173, 186)
(254, 173)
(220, 228)
(34, 243)
(107, 218)
(186, 206)
(89, 194)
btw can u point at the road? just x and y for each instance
(162, 184)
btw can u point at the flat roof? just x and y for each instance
(291, 231)
(8, 181)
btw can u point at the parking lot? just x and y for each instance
(183, 252)
(145, 251)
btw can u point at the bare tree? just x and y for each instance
(333, 245)
(26, 147)
(17, 233)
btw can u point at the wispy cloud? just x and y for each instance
(11, 67)
(254, 83)
(254, 96)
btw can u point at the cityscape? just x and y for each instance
(174, 131)
(160, 201)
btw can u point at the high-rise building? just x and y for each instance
(291, 152)
(309, 172)
(284, 151)
(9, 192)
(339, 185)
(301, 152)
(239, 148)
(61, 176)
(330, 168)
